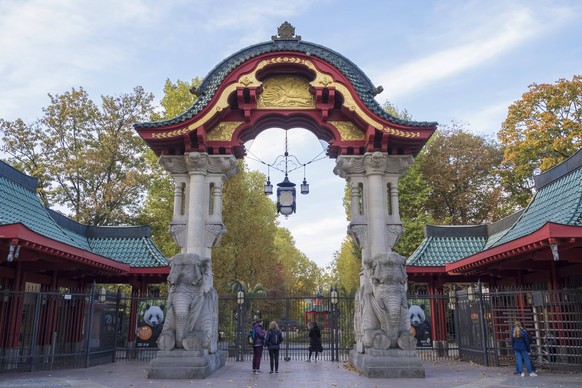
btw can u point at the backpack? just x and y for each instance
(251, 336)
(274, 338)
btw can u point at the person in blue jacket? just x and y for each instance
(520, 344)
(258, 345)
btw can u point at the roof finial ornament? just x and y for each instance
(377, 90)
(286, 32)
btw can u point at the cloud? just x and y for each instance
(52, 45)
(475, 35)
(446, 63)
(319, 239)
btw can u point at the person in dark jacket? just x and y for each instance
(258, 344)
(314, 341)
(520, 344)
(273, 339)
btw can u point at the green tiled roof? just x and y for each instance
(137, 252)
(213, 80)
(438, 251)
(20, 204)
(558, 200)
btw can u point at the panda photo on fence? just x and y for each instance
(420, 326)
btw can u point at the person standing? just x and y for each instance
(314, 341)
(273, 339)
(258, 345)
(520, 344)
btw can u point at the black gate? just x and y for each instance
(292, 314)
(553, 319)
(54, 330)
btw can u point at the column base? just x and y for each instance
(391, 363)
(183, 364)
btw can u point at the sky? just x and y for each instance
(441, 60)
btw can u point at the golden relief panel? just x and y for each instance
(286, 92)
(348, 131)
(223, 131)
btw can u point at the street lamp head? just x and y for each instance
(304, 187)
(268, 187)
(334, 296)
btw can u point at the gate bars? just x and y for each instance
(54, 330)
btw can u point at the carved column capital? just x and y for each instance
(213, 234)
(359, 233)
(393, 232)
(223, 165)
(379, 163)
(375, 163)
(196, 162)
(174, 164)
(349, 165)
(178, 233)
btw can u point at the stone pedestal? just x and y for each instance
(183, 364)
(391, 363)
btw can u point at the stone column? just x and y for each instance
(176, 166)
(197, 165)
(375, 166)
(189, 339)
(384, 344)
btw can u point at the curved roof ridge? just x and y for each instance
(359, 80)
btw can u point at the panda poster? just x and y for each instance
(150, 321)
(420, 326)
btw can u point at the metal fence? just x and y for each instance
(54, 330)
(553, 319)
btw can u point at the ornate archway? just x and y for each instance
(287, 83)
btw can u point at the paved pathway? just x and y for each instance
(292, 374)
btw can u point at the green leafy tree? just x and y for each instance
(542, 129)
(346, 266)
(298, 274)
(459, 169)
(240, 285)
(246, 212)
(87, 157)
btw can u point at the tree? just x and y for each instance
(88, 158)
(453, 180)
(542, 129)
(413, 194)
(460, 171)
(298, 274)
(346, 267)
(240, 285)
(247, 211)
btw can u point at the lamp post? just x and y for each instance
(102, 295)
(334, 330)
(240, 301)
(452, 299)
(471, 293)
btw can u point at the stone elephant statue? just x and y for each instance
(192, 306)
(381, 319)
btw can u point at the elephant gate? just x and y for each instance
(289, 83)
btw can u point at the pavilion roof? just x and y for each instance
(558, 200)
(19, 204)
(211, 83)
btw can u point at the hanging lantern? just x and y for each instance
(286, 197)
